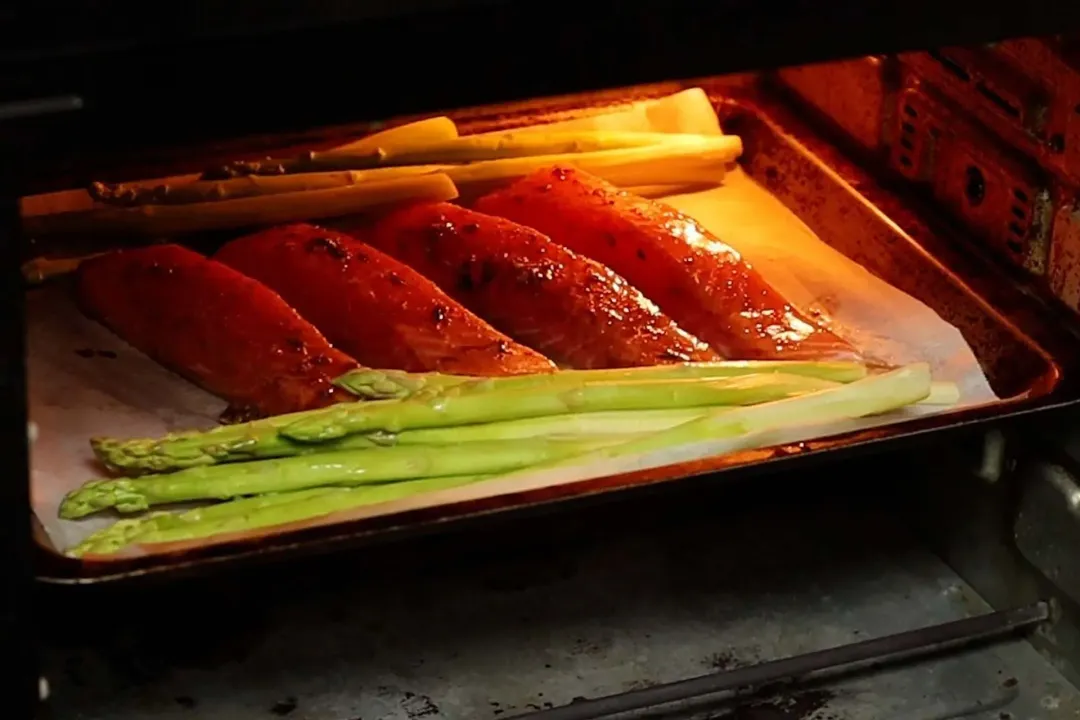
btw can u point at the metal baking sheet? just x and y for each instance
(769, 230)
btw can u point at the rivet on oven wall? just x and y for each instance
(992, 464)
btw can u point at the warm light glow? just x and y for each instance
(790, 330)
(688, 230)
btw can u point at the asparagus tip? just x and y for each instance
(100, 495)
(111, 539)
(376, 384)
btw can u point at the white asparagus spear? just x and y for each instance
(150, 220)
(421, 132)
(679, 163)
(256, 185)
(701, 161)
(478, 148)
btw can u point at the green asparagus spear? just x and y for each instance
(246, 441)
(253, 440)
(262, 439)
(554, 427)
(253, 513)
(476, 403)
(345, 468)
(362, 382)
(873, 395)
(123, 531)
(273, 445)
(396, 384)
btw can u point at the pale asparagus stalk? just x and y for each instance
(150, 220)
(150, 192)
(698, 162)
(662, 164)
(254, 186)
(479, 148)
(421, 132)
(942, 393)
(475, 148)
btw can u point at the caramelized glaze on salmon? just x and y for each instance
(224, 331)
(377, 309)
(698, 280)
(568, 307)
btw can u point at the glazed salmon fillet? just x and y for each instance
(377, 309)
(702, 283)
(568, 307)
(225, 332)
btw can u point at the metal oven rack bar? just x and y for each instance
(906, 645)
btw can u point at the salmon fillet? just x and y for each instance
(223, 331)
(380, 311)
(702, 283)
(568, 307)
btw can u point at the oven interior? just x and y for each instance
(950, 174)
(547, 612)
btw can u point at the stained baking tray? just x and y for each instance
(1026, 347)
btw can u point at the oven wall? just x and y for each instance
(989, 135)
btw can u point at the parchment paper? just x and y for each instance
(83, 381)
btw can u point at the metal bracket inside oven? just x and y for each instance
(1047, 525)
(992, 462)
(40, 106)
